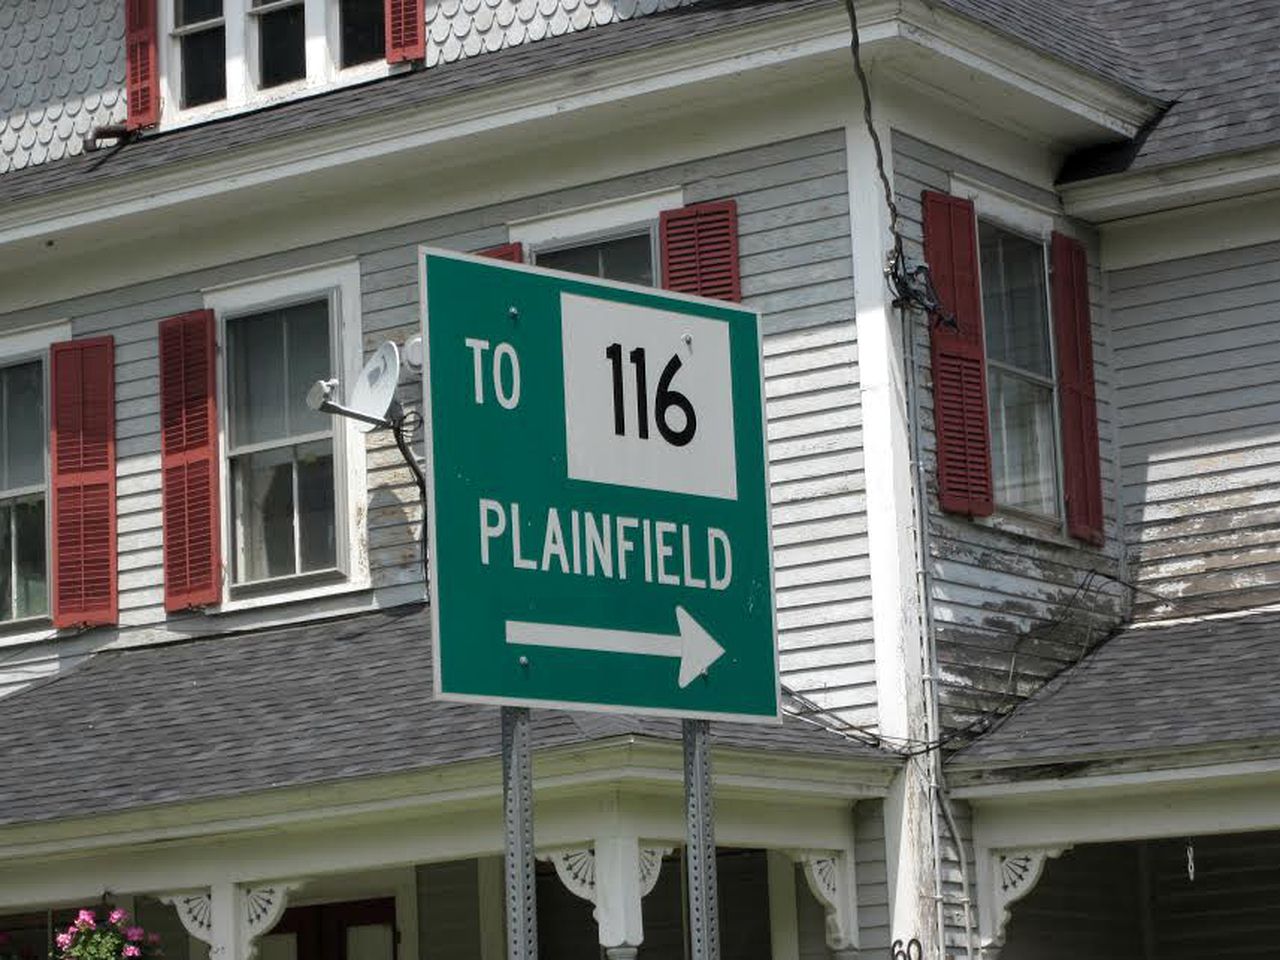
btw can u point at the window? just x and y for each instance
(23, 530)
(293, 487)
(629, 259)
(362, 31)
(225, 55)
(280, 453)
(1020, 370)
(281, 40)
(201, 35)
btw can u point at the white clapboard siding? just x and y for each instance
(1007, 612)
(1198, 362)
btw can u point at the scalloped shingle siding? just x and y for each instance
(62, 61)
(61, 74)
(464, 28)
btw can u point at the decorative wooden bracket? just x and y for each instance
(827, 879)
(614, 876)
(259, 908)
(1012, 875)
(576, 869)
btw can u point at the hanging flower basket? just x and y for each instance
(114, 938)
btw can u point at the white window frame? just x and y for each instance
(339, 283)
(244, 92)
(15, 348)
(593, 223)
(1020, 216)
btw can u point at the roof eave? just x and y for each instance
(1150, 190)
(647, 765)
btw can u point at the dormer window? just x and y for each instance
(201, 33)
(220, 56)
(281, 27)
(362, 32)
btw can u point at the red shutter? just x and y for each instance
(406, 30)
(959, 364)
(700, 250)
(84, 482)
(141, 63)
(508, 251)
(1082, 468)
(189, 461)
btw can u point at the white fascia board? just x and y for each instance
(1125, 195)
(647, 766)
(1128, 783)
(1103, 102)
(730, 54)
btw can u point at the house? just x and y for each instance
(1023, 513)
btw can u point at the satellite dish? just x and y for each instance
(376, 386)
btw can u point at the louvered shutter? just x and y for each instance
(84, 482)
(508, 251)
(189, 461)
(959, 364)
(141, 66)
(1077, 397)
(406, 22)
(700, 250)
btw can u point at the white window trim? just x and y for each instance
(595, 221)
(1035, 222)
(17, 347)
(323, 37)
(340, 282)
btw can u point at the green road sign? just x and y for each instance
(598, 508)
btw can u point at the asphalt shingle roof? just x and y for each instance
(1152, 689)
(1213, 63)
(308, 704)
(155, 151)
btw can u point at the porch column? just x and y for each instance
(615, 875)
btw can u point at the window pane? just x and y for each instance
(197, 11)
(282, 46)
(6, 562)
(204, 71)
(628, 259)
(255, 381)
(363, 30)
(278, 946)
(371, 942)
(31, 598)
(315, 506)
(584, 260)
(1013, 299)
(24, 428)
(307, 339)
(1022, 444)
(263, 484)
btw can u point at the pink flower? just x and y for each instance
(153, 939)
(131, 950)
(63, 940)
(85, 918)
(135, 934)
(118, 916)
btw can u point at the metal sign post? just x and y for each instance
(598, 521)
(517, 804)
(700, 855)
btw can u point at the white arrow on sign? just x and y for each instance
(693, 646)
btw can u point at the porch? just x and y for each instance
(297, 794)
